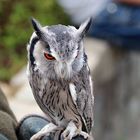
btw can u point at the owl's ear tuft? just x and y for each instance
(37, 27)
(84, 27)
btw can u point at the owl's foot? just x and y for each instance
(72, 131)
(85, 135)
(45, 131)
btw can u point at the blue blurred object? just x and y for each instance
(31, 125)
(2, 137)
(80, 10)
(119, 24)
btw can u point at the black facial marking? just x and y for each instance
(33, 43)
(85, 57)
(47, 47)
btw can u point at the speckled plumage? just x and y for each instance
(62, 87)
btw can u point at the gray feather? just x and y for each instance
(85, 98)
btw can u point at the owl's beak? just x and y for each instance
(62, 73)
(63, 70)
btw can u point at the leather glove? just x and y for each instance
(32, 124)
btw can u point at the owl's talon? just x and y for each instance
(36, 137)
(85, 135)
(45, 131)
(68, 135)
(70, 131)
(65, 134)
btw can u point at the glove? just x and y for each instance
(32, 124)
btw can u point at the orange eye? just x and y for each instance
(48, 56)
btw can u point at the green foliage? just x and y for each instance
(15, 29)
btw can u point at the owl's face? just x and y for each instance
(58, 51)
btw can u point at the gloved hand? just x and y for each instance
(32, 124)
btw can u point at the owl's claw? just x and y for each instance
(69, 132)
(85, 135)
(45, 131)
(36, 137)
(72, 131)
(68, 135)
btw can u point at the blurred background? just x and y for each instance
(112, 46)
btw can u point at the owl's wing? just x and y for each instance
(85, 99)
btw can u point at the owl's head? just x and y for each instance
(57, 50)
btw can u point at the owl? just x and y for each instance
(60, 79)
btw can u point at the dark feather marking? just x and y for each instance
(44, 93)
(50, 110)
(57, 99)
(63, 106)
(48, 100)
(59, 113)
(33, 42)
(85, 57)
(62, 117)
(52, 101)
